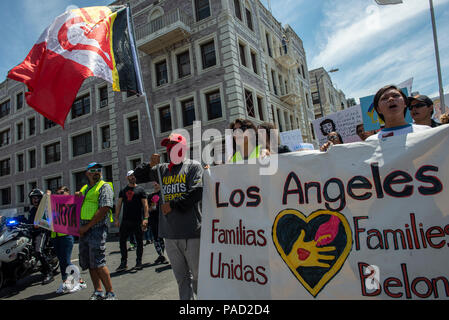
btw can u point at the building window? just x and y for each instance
(213, 103)
(133, 128)
(19, 128)
(208, 54)
(52, 153)
(183, 60)
(82, 144)
(249, 19)
(20, 162)
(260, 108)
(267, 37)
(5, 108)
(161, 73)
(105, 137)
(273, 78)
(103, 93)
(107, 173)
(5, 167)
(81, 107)
(254, 62)
(202, 9)
(19, 101)
(32, 158)
(165, 119)
(188, 112)
(80, 180)
(237, 9)
(53, 184)
(5, 138)
(48, 124)
(31, 126)
(242, 54)
(21, 193)
(315, 97)
(281, 128)
(32, 185)
(6, 196)
(249, 103)
(134, 163)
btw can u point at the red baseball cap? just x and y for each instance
(174, 137)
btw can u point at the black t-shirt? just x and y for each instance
(132, 203)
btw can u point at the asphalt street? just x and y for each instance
(153, 282)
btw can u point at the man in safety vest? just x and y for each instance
(97, 204)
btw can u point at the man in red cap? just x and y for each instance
(421, 110)
(180, 215)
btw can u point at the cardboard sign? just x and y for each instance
(66, 213)
(60, 213)
(365, 220)
(292, 139)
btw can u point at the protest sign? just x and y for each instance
(292, 139)
(59, 213)
(366, 220)
(42, 217)
(344, 122)
(66, 212)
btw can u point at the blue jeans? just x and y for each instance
(63, 248)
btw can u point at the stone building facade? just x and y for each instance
(202, 60)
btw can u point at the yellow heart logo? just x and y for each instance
(314, 247)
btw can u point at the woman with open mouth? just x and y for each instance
(391, 105)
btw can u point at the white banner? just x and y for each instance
(344, 122)
(363, 220)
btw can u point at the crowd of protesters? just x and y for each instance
(172, 213)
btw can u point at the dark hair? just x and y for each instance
(63, 188)
(327, 121)
(242, 122)
(267, 126)
(380, 93)
(338, 135)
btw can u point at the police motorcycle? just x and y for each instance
(17, 258)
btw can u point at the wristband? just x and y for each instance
(145, 218)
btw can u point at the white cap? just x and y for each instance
(130, 173)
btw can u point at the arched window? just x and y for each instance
(156, 13)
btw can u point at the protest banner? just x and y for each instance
(60, 213)
(366, 220)
(292, 139)
(344, 122)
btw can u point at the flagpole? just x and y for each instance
(142, 87)
(437, 56)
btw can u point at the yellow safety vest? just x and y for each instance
(90, 204)
(254, 154)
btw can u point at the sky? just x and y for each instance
(371, 45)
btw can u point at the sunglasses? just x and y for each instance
(332, 138)
(94, 170)
(418, 105)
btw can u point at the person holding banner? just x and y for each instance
(98, 202)
(268, 127)
(244, 141)
(421, 110)
(391, 105)
(40, 236)
(180, 215)
(63, 244)
(332, 138)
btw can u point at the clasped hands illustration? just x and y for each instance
(309, 254)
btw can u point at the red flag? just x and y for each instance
(80, 43)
